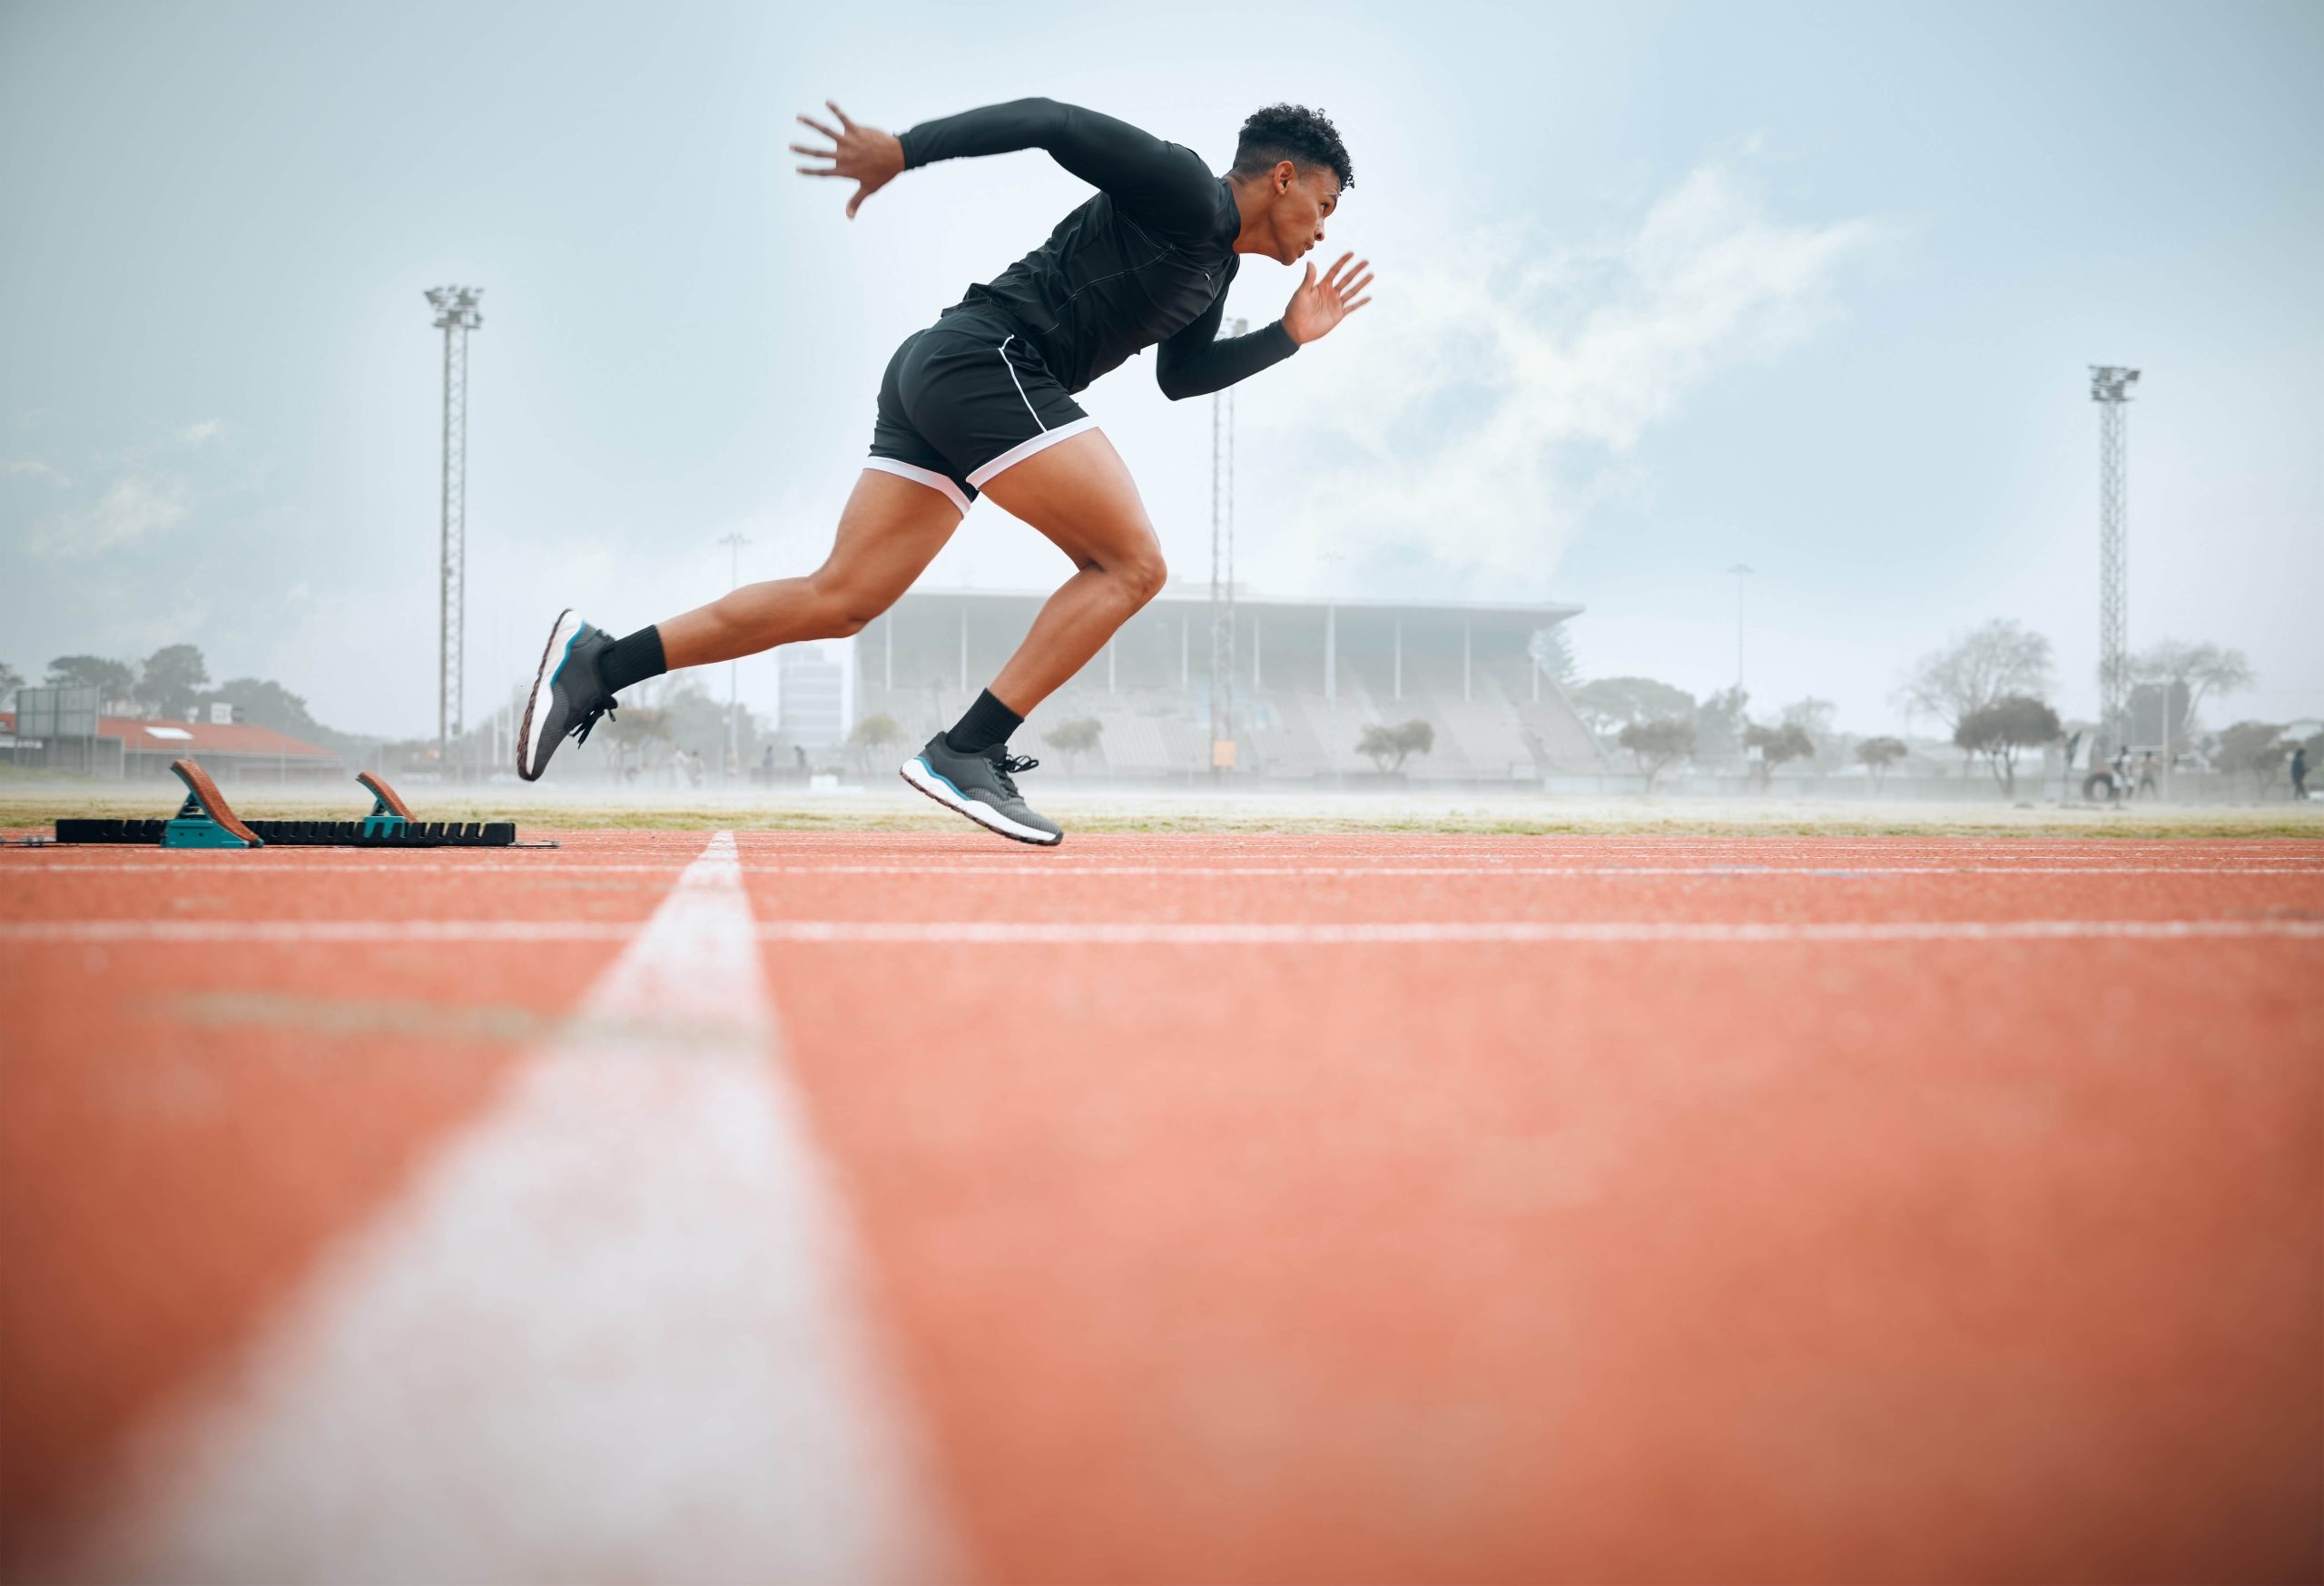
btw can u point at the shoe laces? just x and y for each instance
(579, 730)
(1006, 766)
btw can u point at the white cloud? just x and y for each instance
(206, 430)
(136, 507)
(1495, 402)
(32, 468)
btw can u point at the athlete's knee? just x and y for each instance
(841, 607)
(1142, 574)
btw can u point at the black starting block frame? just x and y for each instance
(206, 820)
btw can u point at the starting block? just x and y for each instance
(206, 820)
(203, 820)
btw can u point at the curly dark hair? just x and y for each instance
(1292, 132)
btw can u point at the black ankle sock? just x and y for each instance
(632, 660)
(987, 723)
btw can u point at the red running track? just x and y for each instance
(1321, 1209)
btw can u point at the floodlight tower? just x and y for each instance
(1222, 571)
(733, 544)
(456, 316)
(2110, 387)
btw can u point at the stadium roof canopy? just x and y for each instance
(1538, 614)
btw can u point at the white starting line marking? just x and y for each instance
(1049, 868)
(328, 933)
(609, 1333)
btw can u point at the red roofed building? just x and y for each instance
(128, 747)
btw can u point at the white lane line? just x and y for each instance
(302, 932)
(1046, 870)
(338, 932)
(1060, 867)
(610, 1333)
(1202, 934)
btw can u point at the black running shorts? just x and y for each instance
(965, 399)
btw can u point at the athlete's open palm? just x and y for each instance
(864, 156)
(1318, 305)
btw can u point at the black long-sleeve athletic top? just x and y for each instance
(1146, 261)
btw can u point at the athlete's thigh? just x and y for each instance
(889, 532)
(1079, 494)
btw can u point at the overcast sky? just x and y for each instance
(1662, 289)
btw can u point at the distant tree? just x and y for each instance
(171, 680)
(641, 721)
(1414, 737)
(1815, 715)
(874, 734)
(1975, 669)
(1658, 744)
(2254, 748)
(1389, 747)
(266, 703)
(1552, 652)
(1075, 738)
(1720, 721)
(2187, 673)
(1778, 744)
(2003, 729)
(114, 681)
(1607, 704)
(1878, 755)
(695, 721)
(11, 680)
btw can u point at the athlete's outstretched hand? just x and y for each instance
(865, 155)
(1318, 305)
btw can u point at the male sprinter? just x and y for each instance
(983, 400)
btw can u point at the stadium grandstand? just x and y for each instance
(39, 735)
(1310, 675)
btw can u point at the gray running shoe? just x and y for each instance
(568, 697)
(979, 786)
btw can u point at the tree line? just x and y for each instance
(174, 681)
(1989, 687)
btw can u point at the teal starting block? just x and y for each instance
(389, 819)
(204, 821)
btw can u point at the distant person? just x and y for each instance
(2299, 773)
(2146, 773)
(983, 400)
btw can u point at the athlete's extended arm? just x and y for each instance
(1195, 363)
(1164, 186)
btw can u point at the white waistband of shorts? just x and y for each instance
(1023, 449)
(928, 477)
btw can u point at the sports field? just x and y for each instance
(1199, 1206)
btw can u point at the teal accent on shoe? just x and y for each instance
(947, 781)
(568, 655)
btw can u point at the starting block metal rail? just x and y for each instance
(206, 820)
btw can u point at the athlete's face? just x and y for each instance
(1301, 201)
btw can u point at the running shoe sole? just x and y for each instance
(529, 762)
(917, 772)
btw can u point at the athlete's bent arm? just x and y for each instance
(1159, 183)
(1195, 362)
